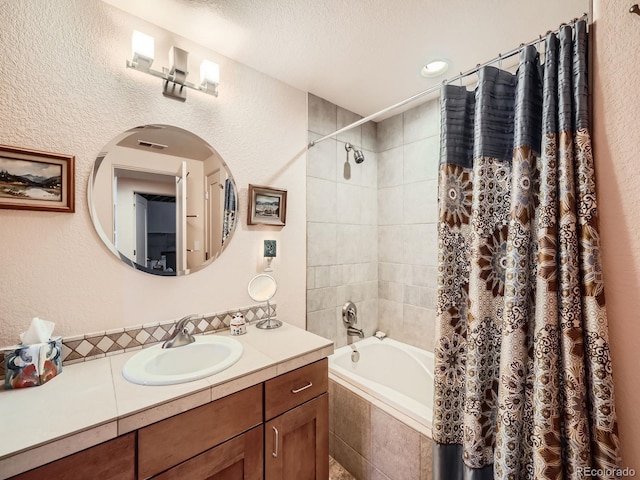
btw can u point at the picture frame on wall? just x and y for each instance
(35, 180)
(267, 206)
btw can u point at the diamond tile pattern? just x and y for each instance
(80, 348)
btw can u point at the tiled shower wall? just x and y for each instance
(372, 238)
(408, 153)
(342, 219)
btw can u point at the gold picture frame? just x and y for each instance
(267, 206)
(35, 180)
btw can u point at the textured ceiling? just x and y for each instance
(363, 55)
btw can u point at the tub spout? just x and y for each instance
(355, 332)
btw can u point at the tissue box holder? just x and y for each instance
(33, 365)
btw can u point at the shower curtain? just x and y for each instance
(523, 385)
(229, 210)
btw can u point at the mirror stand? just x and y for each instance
(262, 288)
(269, 322)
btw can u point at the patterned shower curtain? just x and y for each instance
(523, 384)
(229, 210)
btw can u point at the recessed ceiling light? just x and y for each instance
(434, 68)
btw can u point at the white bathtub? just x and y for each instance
(397, 374)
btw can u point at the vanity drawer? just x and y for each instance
(294, 388)
(113, 460)
(176, 439)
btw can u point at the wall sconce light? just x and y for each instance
(175, 78)
(269, 253)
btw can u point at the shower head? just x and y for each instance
(358, 156)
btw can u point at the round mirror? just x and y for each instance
(163, 200)
(262, 288)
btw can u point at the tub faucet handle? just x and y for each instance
(349, 314)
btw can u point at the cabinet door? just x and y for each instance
(297, 443)
(170, 442)
(237, 459)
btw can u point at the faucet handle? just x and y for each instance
(349, 314)
(181, 335)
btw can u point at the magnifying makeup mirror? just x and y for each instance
(262, 288)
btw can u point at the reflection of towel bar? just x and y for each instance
(192, 216)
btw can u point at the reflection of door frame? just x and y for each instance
(141, 229)
(181, 219)
(127, 244)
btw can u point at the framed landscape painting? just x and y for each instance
(34, 180)
(267, 206)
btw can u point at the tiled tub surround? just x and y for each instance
(91, 402)
(408, 154)
(372, 238)
(81, 348)
(374, 441)
(342, 251)
(380, 410)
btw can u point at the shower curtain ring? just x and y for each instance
(460, 78)
(500, 61)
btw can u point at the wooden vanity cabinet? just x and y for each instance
(297, 424)
(113, 460)
(275, 430)
(170, 442)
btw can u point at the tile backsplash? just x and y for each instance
(82, 348)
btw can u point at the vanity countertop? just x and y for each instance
(91, 402)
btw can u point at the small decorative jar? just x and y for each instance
(238, 324)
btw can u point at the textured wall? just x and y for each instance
(341, 221)
(616, 130)
(65, 89)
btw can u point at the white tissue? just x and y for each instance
(38, 332)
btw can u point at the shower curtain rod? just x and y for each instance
(435, 88)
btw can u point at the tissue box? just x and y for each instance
(33, 365)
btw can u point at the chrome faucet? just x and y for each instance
(350, 318)
(181, 335)
(354, 332)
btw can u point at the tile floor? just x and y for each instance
(337, 471)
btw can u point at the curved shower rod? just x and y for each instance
(435, 88)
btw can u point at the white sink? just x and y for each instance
(208, 355)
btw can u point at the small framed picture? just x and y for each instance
(34, 180)
(267, 206)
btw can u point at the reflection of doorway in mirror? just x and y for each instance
(215, 200)
(145, 218)
(156, 238)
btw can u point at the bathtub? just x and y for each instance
(392, 372)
